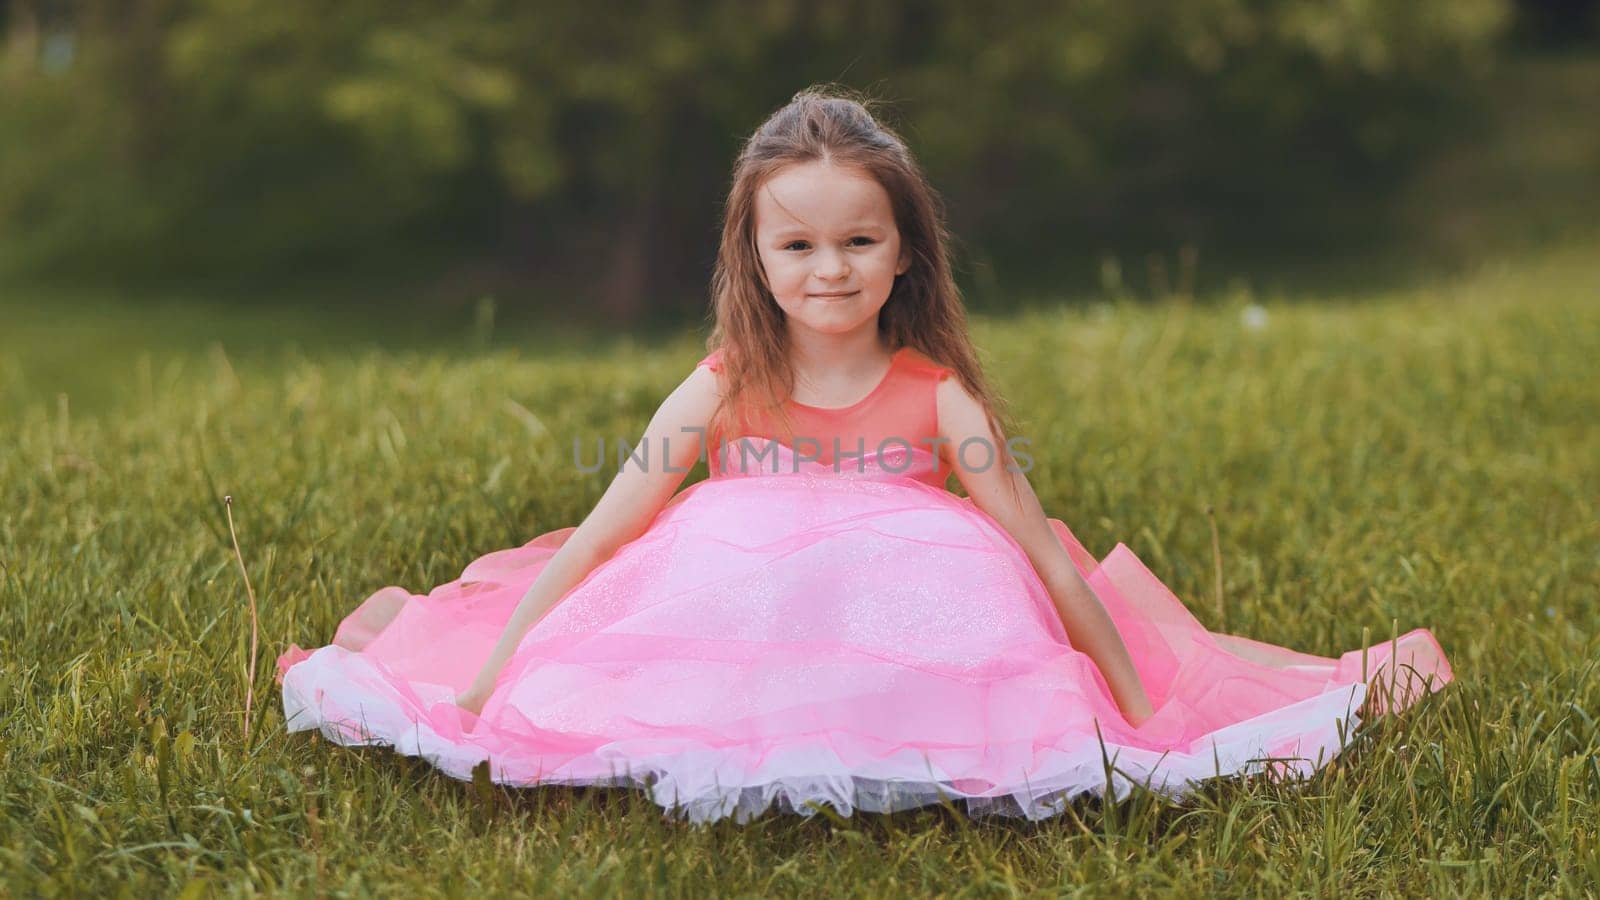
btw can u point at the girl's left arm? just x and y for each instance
(1007, 497)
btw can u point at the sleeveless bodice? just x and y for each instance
(891, 432)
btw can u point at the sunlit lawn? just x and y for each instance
(1373, 462)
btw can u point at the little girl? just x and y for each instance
(822, 621)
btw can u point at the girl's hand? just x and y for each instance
(1139, 716)
(473, 698)
(1137, 708)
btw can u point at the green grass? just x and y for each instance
(1430, 457)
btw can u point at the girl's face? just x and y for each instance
(829, 245)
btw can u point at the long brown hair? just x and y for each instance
(924, 309)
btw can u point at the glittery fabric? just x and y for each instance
(800, 634)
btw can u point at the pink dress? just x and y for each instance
(805, 628)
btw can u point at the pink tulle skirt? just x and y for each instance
(869, 643)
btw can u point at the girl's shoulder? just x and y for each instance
(712, 361)
(920, 363)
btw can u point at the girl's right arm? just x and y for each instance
(632, 501)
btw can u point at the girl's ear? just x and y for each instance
(905, 263)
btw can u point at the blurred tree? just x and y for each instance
(1557, 23)
(589, 154)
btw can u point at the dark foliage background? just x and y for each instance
(579, 159)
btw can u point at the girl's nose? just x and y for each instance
(832, 265)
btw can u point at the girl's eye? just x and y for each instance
(801, 245)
